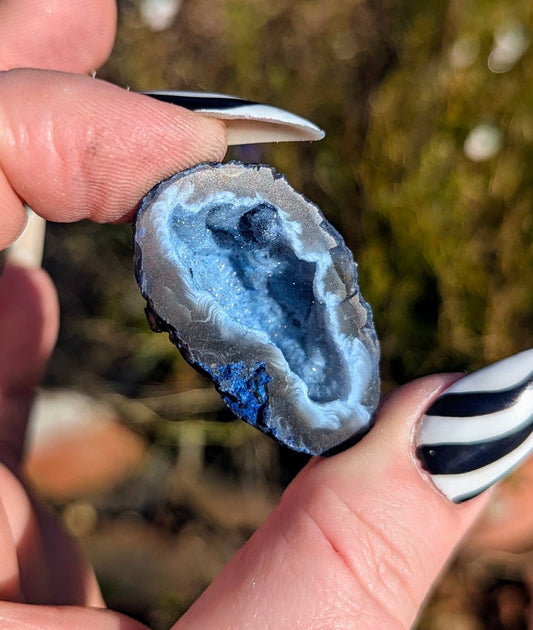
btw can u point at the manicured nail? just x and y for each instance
(247, 122)
(480, 428)
(27, 250)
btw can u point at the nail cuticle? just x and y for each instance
(415, 433)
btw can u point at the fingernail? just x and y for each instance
(479, 429)
(247, 122)
(27, 250)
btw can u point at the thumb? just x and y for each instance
(363, 535)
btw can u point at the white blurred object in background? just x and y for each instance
(159, 14)
(464, 53)
(510, 43)
(483, 142)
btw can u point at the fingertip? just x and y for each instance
(12, 213)
(161, 140)
(220, 144)
(95, 149)
(186, 137)
(189, 130)
(213, 138)
(386, 457)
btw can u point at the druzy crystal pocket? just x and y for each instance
(258, 291)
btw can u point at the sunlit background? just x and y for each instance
(426, 171)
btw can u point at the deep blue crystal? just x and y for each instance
(258, 291)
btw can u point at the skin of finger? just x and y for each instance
(29, 320)
(358, 538)
(39, 562)
(12, 222)
(24, 540)
(70, 578)
(51, 569)
(25, 617)
(28, 328)
(10, 589)
(73, 36)
(88, 149)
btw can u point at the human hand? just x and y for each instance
(357, 539)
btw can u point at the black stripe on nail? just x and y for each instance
(201, 102)
(466, 404)
(454, 459)
(466, 496)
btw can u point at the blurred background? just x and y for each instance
(425, 170)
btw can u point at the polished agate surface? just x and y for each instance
(258, 291)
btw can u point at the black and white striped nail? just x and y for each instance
(247, 122)
(480, 428)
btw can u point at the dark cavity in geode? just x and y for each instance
(259, 291)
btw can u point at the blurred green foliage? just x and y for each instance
(443, 241)
(461, 229)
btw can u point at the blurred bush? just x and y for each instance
(442, 232)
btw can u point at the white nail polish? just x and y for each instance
(247, 122)
(27, 250)
(480, 428)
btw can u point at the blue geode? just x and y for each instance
(258, 291)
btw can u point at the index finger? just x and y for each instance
(72, 147)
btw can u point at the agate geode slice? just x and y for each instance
(258, 291)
